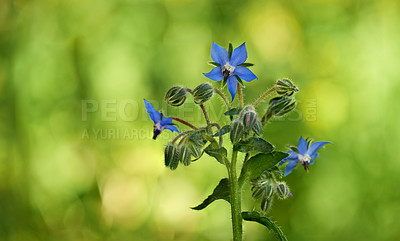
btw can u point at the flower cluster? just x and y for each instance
(260, 166)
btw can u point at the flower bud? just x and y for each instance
(185, 155)
(172, 156)
(266, 204)
(195, 149)
(237, 130)
(282, 190)
(202, 93)
(249, 120)
(258, 128)
(285, 87)
(279, 106)
(176, 96)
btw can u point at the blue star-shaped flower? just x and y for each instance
(229, 66)
(160, 122)
(306, 155)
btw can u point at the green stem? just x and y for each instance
(259, 100)
(240, 93)
(220, 137)
(224, 98)
(235, 198)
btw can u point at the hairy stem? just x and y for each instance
(185, 122)
(207, 119)
(240, 93)
(224, 98)
(181, 134)
(259, 100)
(235, 198)
(220, 137)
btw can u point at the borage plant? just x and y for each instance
(259, 167)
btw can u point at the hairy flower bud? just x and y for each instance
(172, 156)
(282, 190)
(285, 87)
(237, 130)
(249, 120)
(279, 106)
(258, 128)
(266, 204)
(185, 154)
(176, 96)
(195, 149)
(202, 93)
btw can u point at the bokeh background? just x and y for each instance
(77, 161)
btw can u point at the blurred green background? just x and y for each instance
(70, 173)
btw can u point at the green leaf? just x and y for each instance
(256, 165)
(214, 63)
(246, 64)
(230, 50)
(220, 192)
(223, 131)
(218, 153)
(267, 222)
(254, 144)
(234, 111)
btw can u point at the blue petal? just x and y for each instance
(232, 85)
(171, 128)
(166, 121)
(313, 158)
(219, 54)
(289, 167)
(293, 156)
(244, 73)
(302, 146)
(154, 115)
(215, 74)
(316, 146)
(239, 55)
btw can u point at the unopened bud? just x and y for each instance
(186, 154)
(171, 155)
(249, 120)
(195, 149)
(285, 87)
(258, 128)
(202, 93)
(237, 130)
(176, 96)
(279, 106)
(266, 204)
(282, 190)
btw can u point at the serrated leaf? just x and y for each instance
(246, 64)
(223, 131)
(267, 222)
(257, 164)
(254, 144)
(234, 111)
(217, 153)
(220, 192)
